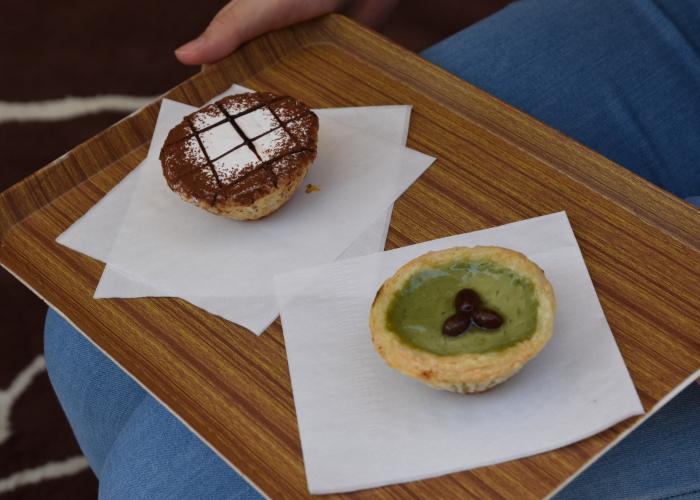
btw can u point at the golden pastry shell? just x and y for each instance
(469, 372)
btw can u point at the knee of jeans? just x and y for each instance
(70, 357)
(154, 436)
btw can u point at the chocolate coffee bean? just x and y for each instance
(467, 300)
(486, 318)
(456, 324)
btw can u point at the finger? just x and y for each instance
(242, 20)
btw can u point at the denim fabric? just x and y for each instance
(695, 200)
(96, 395)
(620, 76)
(659, 459)
(155, 456)
(135, 446)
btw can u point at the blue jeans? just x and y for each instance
(136, 448)
(620, 76)
(659, 459)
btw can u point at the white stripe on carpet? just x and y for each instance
(51, 470)
(69, 107)
(12, 393)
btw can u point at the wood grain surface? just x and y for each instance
(495, 165)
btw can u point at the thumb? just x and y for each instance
(242, 20)
(220, 38)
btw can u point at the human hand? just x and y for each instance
(241, 20)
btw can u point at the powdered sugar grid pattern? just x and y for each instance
(238, 143)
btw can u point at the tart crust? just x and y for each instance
(469, 372)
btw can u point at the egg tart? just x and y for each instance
(423, 328)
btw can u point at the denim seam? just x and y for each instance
(696, 490)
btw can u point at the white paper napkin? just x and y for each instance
(387, 122)
(94, 233)
(232, 276)
(364, 425)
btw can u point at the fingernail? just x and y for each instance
(191, 46)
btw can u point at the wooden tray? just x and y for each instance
(495, 165)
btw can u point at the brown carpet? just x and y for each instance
(49, 50)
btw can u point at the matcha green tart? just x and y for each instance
(463, 319)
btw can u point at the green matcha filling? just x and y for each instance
(417, 312)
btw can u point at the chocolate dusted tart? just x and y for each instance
(463, 319)
(243, 156)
